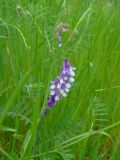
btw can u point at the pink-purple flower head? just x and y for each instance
(61, 85)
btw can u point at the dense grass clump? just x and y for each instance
(82, 126)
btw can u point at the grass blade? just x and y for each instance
(13, 97)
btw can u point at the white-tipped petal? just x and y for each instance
(63, 93)
(52, 86)
(58, 85)
(59, 45)
(73, 68)
(52, 93)
(61, 81)
(66, 90)
(71, 79)
(57, 98)
(71, 72)
(64, 72)
(67, 85)
(65, 78)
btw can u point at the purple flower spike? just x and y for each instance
(61, 85)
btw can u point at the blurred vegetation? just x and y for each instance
(83, 126)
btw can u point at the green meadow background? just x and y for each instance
(85, 125)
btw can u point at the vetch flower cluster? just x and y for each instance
(61, 85)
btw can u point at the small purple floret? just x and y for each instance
(59, 40)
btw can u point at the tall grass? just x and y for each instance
(83, 126)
